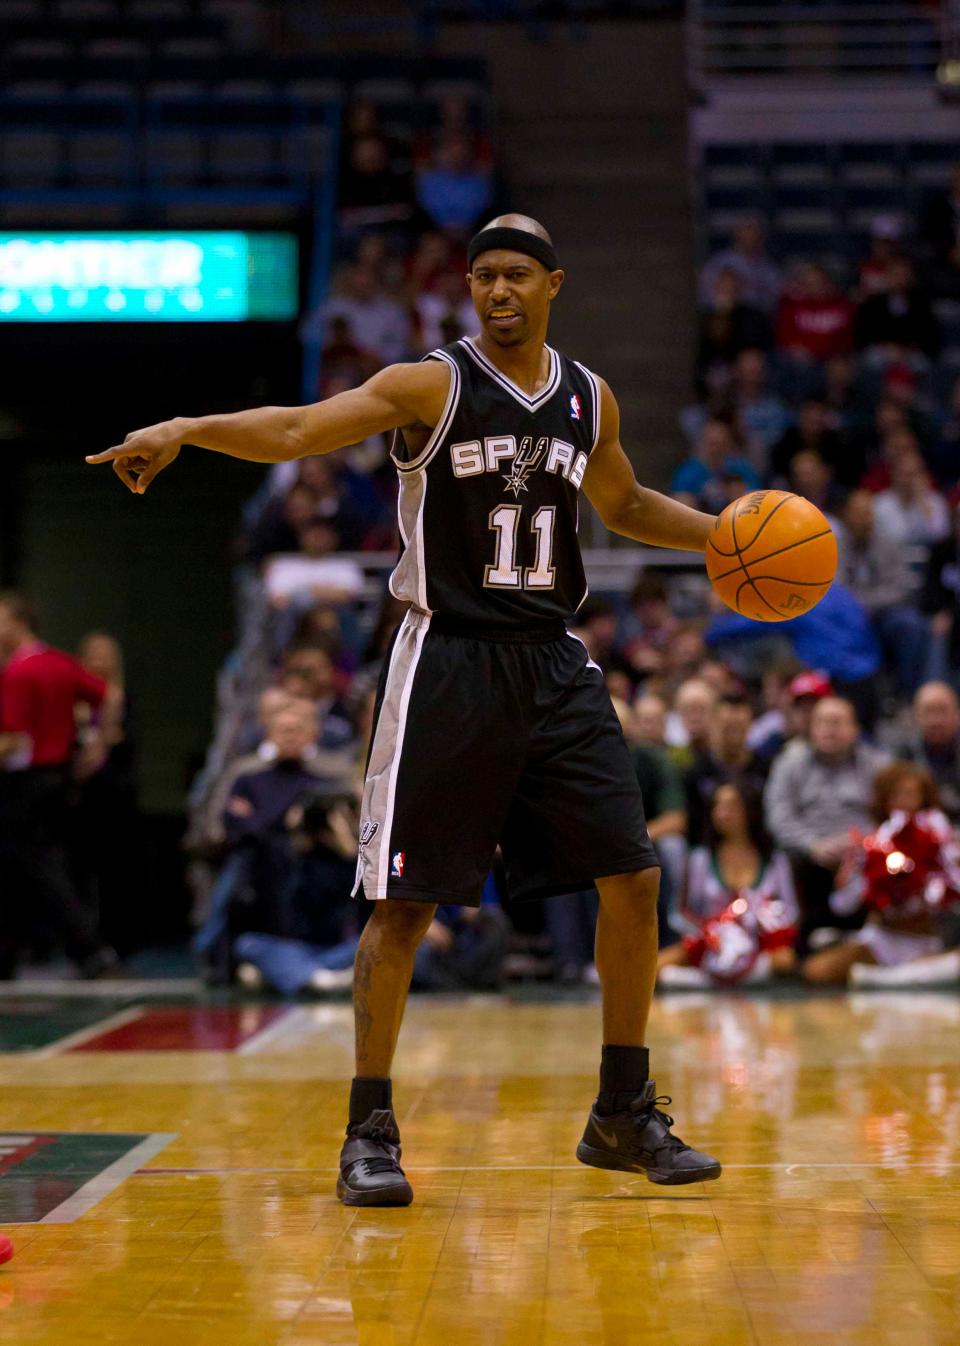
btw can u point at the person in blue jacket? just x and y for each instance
(836, 637)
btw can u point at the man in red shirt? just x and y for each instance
(39, 690)
(815, 321)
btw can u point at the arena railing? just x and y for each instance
(832, 39)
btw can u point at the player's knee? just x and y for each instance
(404, 922)
(636, 893)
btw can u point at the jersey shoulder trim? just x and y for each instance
(490, 369)
(442, 425)
(595, 400)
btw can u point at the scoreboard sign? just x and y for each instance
(148, 277)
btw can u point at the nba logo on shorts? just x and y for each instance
(574, 406)
(397, 864)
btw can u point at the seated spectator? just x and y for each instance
(836, 637)
(776, 724)
(664, 802)
(869, 436)
(454, 117)
(683, 659)
(688, 726)
(727, 327)
(377, 322)
(309, 673)
(911, 512)
(311, 925)
(648, 627)
(940, 597)
(895, 446)
(435, 309)
(433, 257)
(727, 759)
(254, 828)
(898, 324)
(650, 720)
(760, 412)
(941, 232)
(815, 320)
(701, 479)
(933, 743)
(455, 190)
(874, 271)
(812, 477)
(370, 190)
(904, 876)
(278, 527)
(813, 433)
(464, 948)
(874, 567)
(760, 279)
(739, 913)
(343, 494)
(816, 793)
(344, 363)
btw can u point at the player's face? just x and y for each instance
(511, 294)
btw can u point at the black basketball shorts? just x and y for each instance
(479, 741)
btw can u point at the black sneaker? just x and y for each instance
(370, 1172)
(640, 1141)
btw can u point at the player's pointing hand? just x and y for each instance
(143, 454)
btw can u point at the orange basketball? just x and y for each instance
(771, 556)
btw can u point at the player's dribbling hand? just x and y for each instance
(143, 454)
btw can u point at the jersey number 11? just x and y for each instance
(504, 574)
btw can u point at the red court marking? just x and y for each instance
(10, 1159)
(217, 1028)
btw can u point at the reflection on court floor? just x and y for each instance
(198, 1184)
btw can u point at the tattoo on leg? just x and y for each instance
(366, 961)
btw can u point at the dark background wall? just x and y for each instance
(155, 570)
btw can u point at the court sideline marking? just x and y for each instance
(82, 1035)
(92, 1192)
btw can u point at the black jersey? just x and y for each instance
(488, 509)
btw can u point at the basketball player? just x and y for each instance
(492, 723)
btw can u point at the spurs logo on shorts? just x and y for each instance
(367, 832)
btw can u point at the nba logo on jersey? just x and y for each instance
(575, 406)
(397, 864)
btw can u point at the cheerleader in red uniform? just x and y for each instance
(739, 910)
(903, 876)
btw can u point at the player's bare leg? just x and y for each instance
(370, 1172)
(381, 980)
(626, 1130)
(626, 953)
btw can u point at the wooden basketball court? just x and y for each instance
(167, 1173)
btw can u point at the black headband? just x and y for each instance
(517, 240)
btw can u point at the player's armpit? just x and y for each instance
(628, 508)
(396, 396)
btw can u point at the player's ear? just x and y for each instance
(556, 280)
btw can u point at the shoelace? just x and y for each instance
(386, 1164)
(650, 1110)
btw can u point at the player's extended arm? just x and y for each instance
(399, 395)
(628, 508)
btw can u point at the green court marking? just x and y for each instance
(55, 1177)
(26, 1025)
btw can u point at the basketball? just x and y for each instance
(772, 556)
